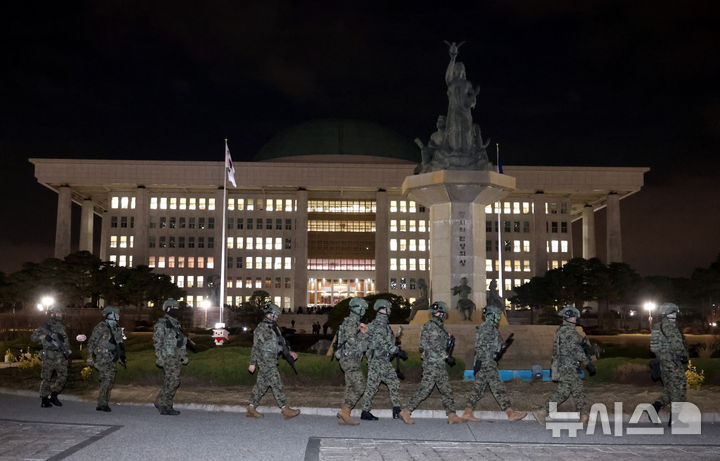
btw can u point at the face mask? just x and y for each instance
(112, 322)
(671, 317)
(172, 312)
(114, 317)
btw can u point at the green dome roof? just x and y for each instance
(339, 137)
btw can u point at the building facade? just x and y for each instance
(319, 217)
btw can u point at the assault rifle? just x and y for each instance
(504, 346)
(286, 351)
(54, 340)
(400, 354)
(119, 351)
(449, 348)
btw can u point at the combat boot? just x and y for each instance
(45, 402)
(367, 416)
(396, 412)
(515, 415)
(540, 416)
(169, 411)
(404, 414)
(288, 412)
(343, 417)
(104, 408)
(252, 412)
(54, 400)
(453, 418)
(468, 415)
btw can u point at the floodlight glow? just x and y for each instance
(40, 307)
(205, 304)
(650, 306)
(220, 325)
(47, 301)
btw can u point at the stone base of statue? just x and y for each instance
(457, 201)
(454, 318)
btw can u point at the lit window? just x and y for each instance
(249, 262)
(507, 207)
(201, 262)
(412, 245)
(412, 266)
(173, 203)
(258, 262)
(526, 246)
(269, 243)
(249, 243)
(393, 264)
(288, 205)
(192, 203)
(114, 202)
(153, 203)
(403, 264)
(393, 244)
(517, 265)
(554, 246)
(191, 262)
(288, 263)
(231, 204)
(124, 201)
(269, 204)
(421, 264)
(393, 206)
(508, 284)
(412, 226)
(488, 209)
(403, 206)
(183, 203)
(278, 243)
(230, 243)
(113, 241)
(250, 204)
(241, 207)
(239, 242)
(421, 244)
(526, 265)
(393, 225)
(258, 243)
(516, 246)
(403, 225)
(123, 261)
(181, 262)
(564, 246)
(421, 225)
(161, 262)
(268, 262)
(412, 208)
(508, 265)
(163, 203)
(403, 244)
(210, 262)
(278, 204)
(211, 204)
(171, 261)
(190, 281)
(278, 263)
(151, 261)
(201, 204)
(488, 265)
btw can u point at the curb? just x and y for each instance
(485, 415)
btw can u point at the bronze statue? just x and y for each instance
(465, 305)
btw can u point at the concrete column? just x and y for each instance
(140, 245)
(588, 232)
(382, 243)
(104, 235)
(614, 238)
(86, 226)
(300, 250)
(539, 241)
(479, 254)
(63, 225)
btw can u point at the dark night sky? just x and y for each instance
(609, 83)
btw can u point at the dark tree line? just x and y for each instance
(82, 279)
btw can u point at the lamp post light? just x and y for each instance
(650, 307)
(205, 305)
(45, 303)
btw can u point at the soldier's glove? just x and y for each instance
(591, 369)
(402, 354)
(450, 361)
(160, 363)
(185, 361)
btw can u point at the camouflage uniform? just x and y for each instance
(171, 353)
(53, 359)
(351, 347)
(568, 354)
(264, 355)
(433, 341)
(488, 343)
(104, 350)
(668, 344)
(381, 349)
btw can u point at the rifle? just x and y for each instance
(449, 347)
(504, 346)
(400, 354)
(119, 351)
(54, 340)
(286, 351)
(190, 344)
(590, 349)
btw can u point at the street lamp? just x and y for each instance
(650, 307)
(205, 305)
(45, 303)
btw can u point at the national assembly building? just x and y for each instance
(319, 216)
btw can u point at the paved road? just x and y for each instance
(78, 432)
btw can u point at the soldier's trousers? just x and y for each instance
(381, 371)
(569, 384)
(57, 366)
(354, 381)
(488, 377)
(107, 371)
(171, 382)
(674, 382)
(268, 376)
(434, 375)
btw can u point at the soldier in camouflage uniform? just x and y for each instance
(351, 345)
(433, 342)
(381, 350)
(488, 344)
(668, 345)
(568, 355)
(171, 354)
(264, 357)
(55, 354)
(105, 349)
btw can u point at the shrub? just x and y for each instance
(695, 380)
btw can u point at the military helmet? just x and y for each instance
(439, 306)
(381, 303)
(110, 310)
(56, 309)
(358, 306)
(492, 309)
(669, 308)
(569, 312)
(170, 302)
(272, 309)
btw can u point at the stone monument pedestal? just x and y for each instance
(457, 201)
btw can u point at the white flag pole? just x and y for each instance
(223, 263)
(501, 246)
